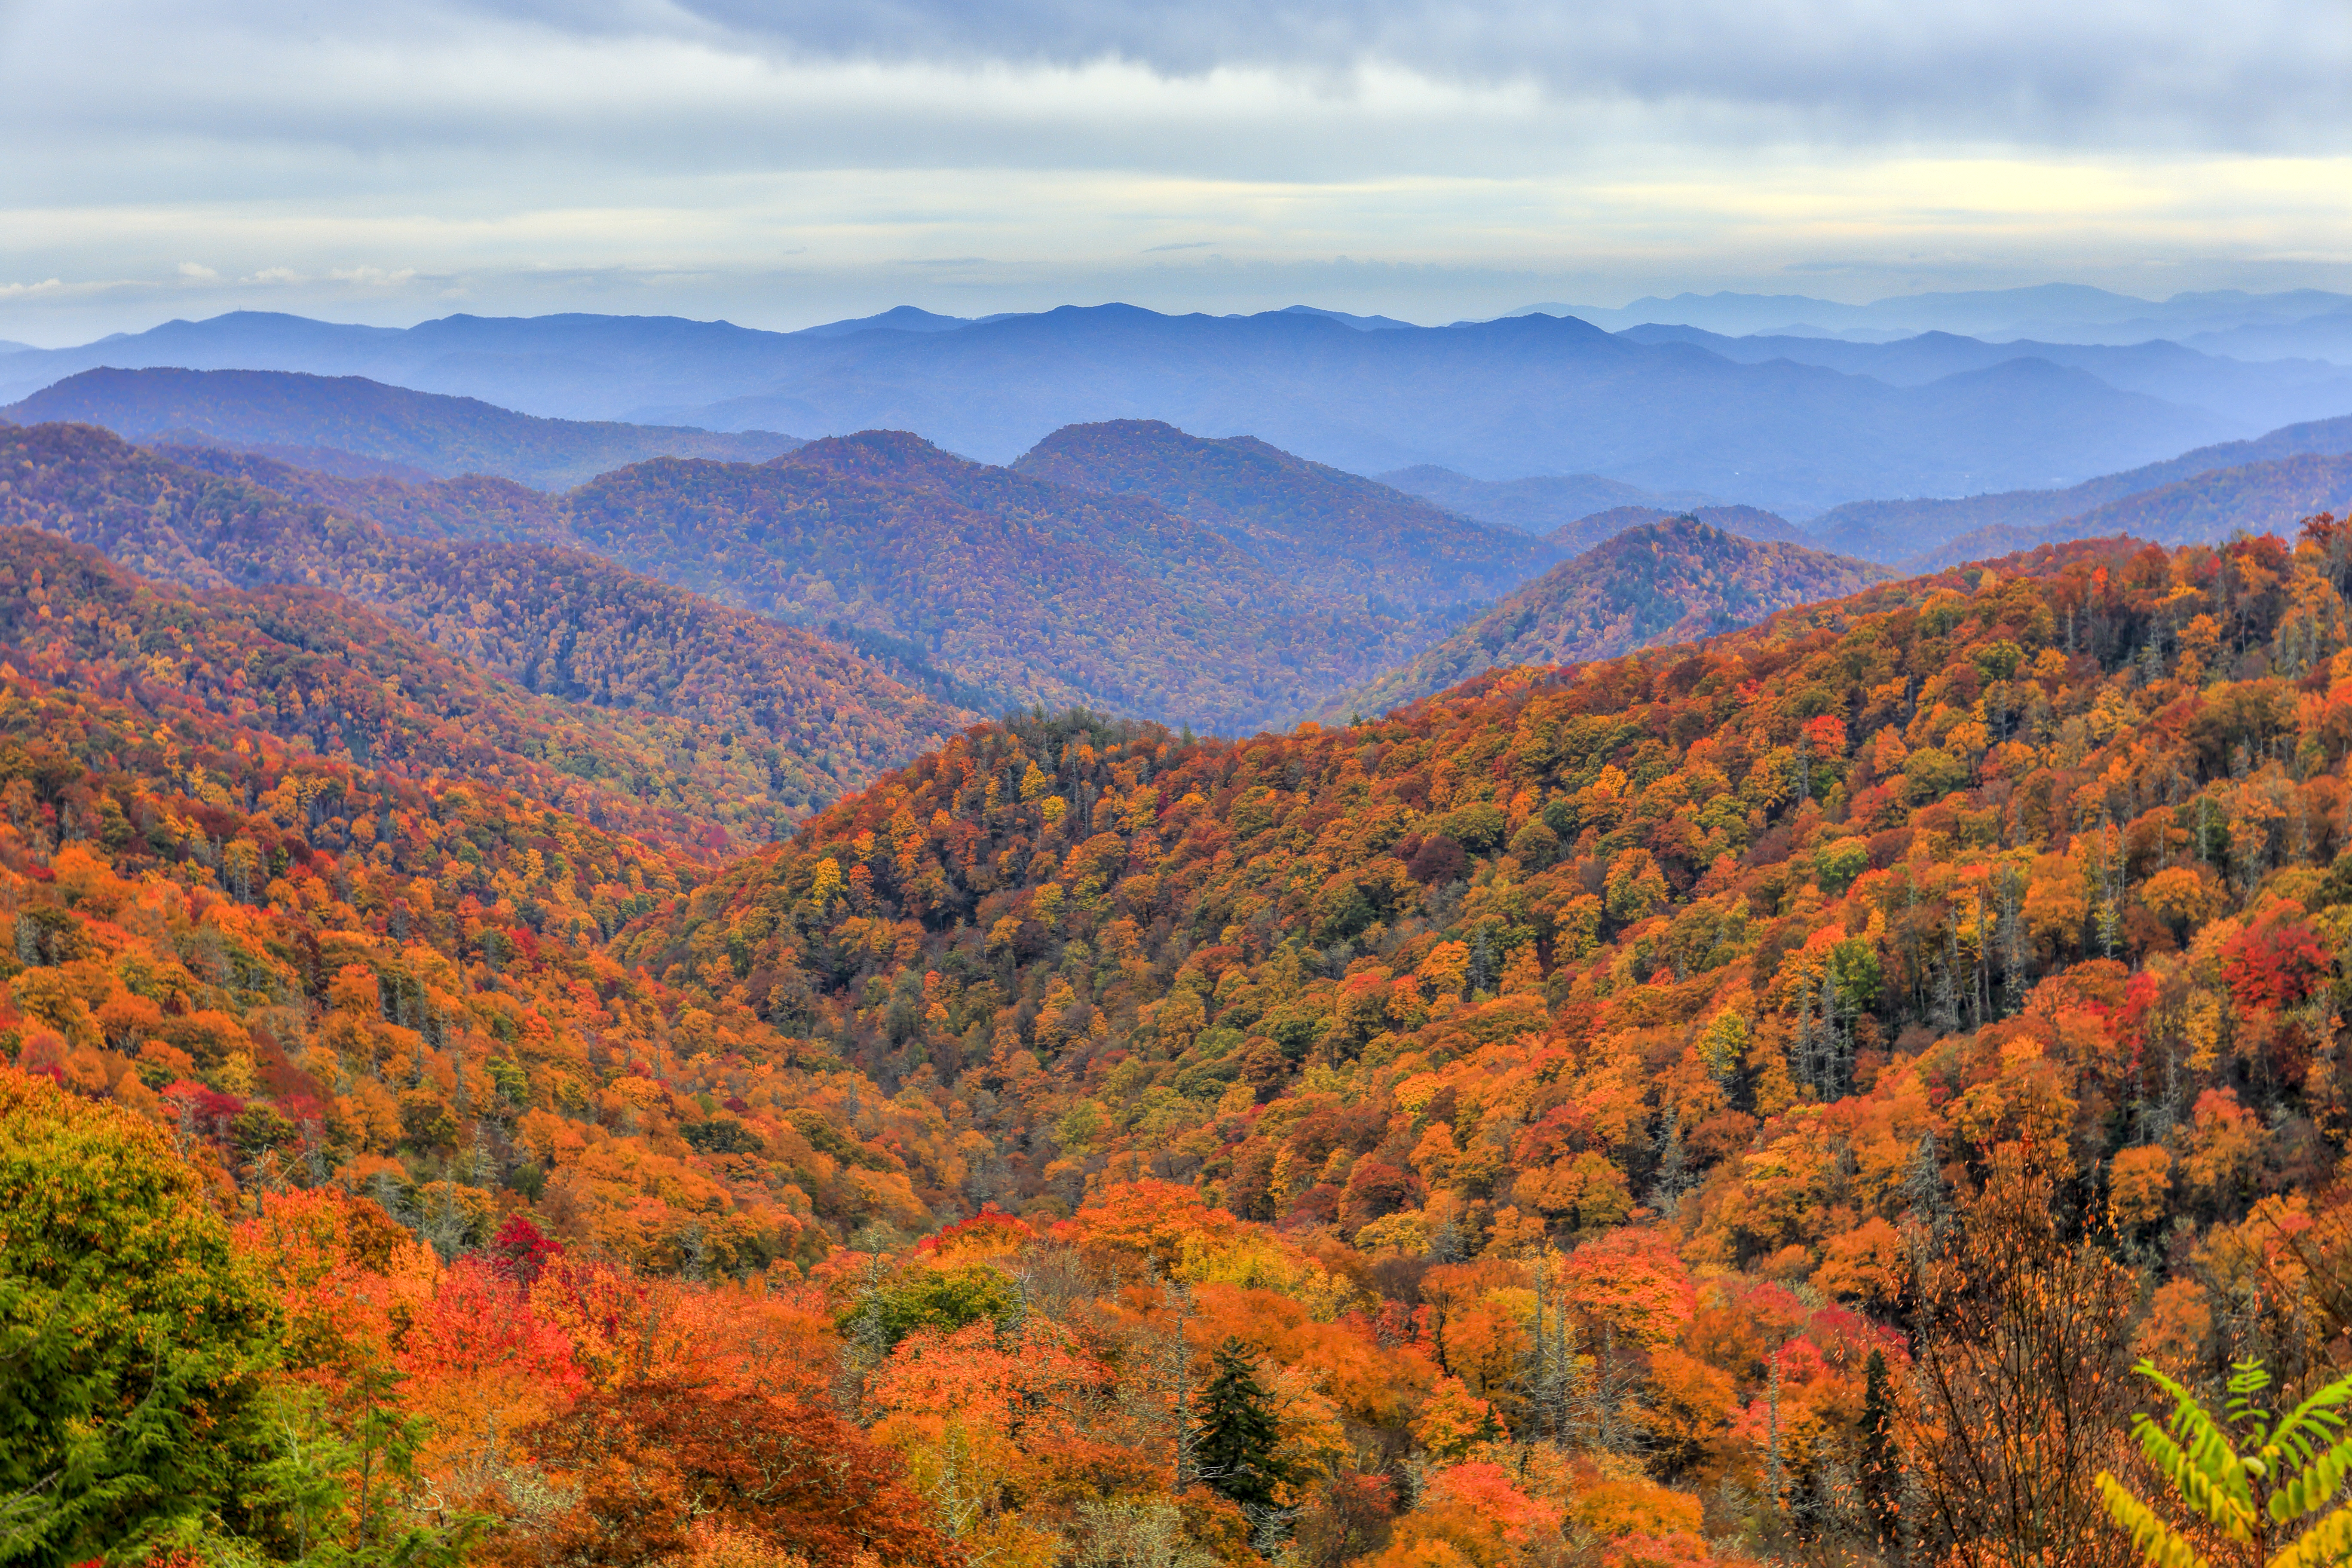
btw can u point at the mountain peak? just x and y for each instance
(896, 456)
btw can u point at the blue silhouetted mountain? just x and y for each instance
(313, 421)
(1927, 531)
(1495, 400)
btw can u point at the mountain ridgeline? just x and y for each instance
(1299, 520)
(1665, 581)
(1540, 503)
(317, 422)
(1525, 394)
(795, 720)
(1898, 531)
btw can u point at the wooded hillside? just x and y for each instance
(1655, 583)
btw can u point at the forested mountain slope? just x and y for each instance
(1742, 521)
(278, 872)
(472, 506)
(789, 720)
(323, 673)
(2253, 498)
(1028, 589)
(1898, 531)
(1673, 581)
(1732, 1103)
(1338, 532)
(984, 587)
(1987, 917)
(439, 435)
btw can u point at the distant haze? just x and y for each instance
(784, 163)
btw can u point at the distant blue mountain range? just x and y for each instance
(1796, 424)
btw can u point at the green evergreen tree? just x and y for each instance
(1233, 1451)
(133, 1343)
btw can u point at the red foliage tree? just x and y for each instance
(651, 1459)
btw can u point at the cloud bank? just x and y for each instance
(785, 161)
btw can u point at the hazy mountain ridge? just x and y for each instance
(437, 434)
(1668, 581)
(2265, 395)
(1902, 529)
(1347, 535)
(2074, 311)
(1494, 397)
(2269, 497)
(1536, 504)
(1512, 396)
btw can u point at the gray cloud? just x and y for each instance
(779, 162)
(2267, 74)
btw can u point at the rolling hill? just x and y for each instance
(1666, 582)
(789, 720)
(2269, 497)
(472, 506)
(1309, 524)
(982, 586)
(2280, 392)
(1540, 504)
(1028, 589)
(336, 679)
(1495, 399)
(1744, 521)
(1902, 529)
(314, 421)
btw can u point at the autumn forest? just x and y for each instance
(555, 1031)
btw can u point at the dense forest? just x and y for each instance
(1745, 1100)
(789, 720)
(1669, 581)
(1266, 588)
(1033, 591)
(473, 506)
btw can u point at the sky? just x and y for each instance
(781, 162)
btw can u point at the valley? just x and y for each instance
(669, 995)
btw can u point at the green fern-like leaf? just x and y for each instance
(2157, 1541)
(2326, 1544)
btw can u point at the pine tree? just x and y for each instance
(1923, 1185)
(1673, 1165)
(1233, 1451)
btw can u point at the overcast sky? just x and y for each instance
(782, 163)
